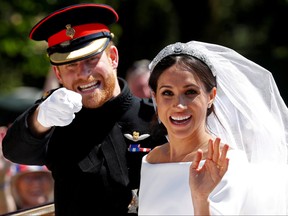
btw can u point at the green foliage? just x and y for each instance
(252, 27)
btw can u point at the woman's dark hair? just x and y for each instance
(187, 63)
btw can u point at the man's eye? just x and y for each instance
(93, 59)
(72, 65)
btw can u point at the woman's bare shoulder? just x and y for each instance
(156, 155)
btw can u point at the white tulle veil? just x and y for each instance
(248, 102)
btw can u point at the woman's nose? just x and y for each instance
(180, 102)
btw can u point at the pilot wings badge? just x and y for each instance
(137, 137)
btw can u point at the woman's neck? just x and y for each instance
(181, 150)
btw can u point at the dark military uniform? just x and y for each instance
(97, 156)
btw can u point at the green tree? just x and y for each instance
(252, 27)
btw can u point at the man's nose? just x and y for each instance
(84, 69)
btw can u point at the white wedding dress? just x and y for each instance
(245, 189)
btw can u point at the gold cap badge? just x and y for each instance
(70, 32)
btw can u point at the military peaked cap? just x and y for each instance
(75, 32)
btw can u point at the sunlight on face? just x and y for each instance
(94, 78)
(181, 102)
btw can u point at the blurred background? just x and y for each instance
(255, 28)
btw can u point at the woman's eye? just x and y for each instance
(191, 92)
(167, 93)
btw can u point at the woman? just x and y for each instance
(31, 186)
(203, 92)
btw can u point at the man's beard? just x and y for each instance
(103, 95)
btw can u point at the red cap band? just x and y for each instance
(80, 31)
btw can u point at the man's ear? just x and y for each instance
(57, 73)
(113, 55)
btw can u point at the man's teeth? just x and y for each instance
(88, 86)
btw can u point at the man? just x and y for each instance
(91, 132)
(137, 77)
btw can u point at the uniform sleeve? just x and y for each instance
(20, 146)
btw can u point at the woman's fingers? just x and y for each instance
(216, 150)
(210, 150)
(223, 155)
(197, 159)
(216, 158)
(223, 160)
(219, 159)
